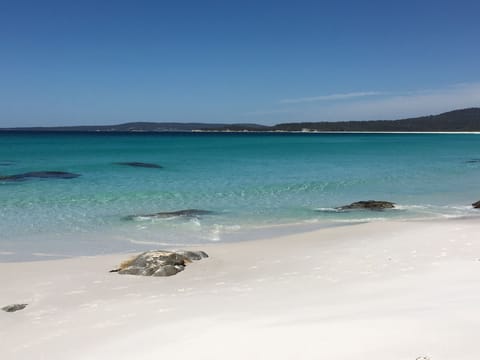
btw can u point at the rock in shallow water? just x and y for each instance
(476, 205)
(6, 163)
(159, 262)
(14, 307)
(369, 204)
(169, 214)
(140, 164)
(39, 175)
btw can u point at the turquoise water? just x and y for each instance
(250, 181)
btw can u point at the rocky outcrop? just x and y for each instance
(140, 164)
(39, 175)
(192, 213)
(369, 205)
(14, 307)
(476, 205)
(159, 263)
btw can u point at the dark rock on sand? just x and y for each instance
(14, 307)
(39, 175)
(369, 205)
(191, 213)
(476, 205)
(140, 164)
(159, 263)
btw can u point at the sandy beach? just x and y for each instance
(383, 290)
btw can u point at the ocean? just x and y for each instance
(254, 185)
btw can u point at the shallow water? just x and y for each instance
(250, 181)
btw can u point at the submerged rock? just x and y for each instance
(476, 205)
(473, 161)
(159, 263)
(14, 307)
(39, 175)
(169, 214)
(369, 204)
(140, 164)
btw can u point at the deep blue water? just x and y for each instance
(248, 180)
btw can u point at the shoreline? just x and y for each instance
(390, 289)
(248, 234)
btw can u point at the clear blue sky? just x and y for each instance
(102, 62)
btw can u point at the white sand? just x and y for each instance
(391, 290)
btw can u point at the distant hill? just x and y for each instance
(457, 120)
(141, 127)
(134, 126)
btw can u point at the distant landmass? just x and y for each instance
(464, 120)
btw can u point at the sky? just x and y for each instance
(105, 62)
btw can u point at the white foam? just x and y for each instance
(217, 230)
(153, 218)
(143, 242)
(195, 221)
(334, 210)
(40, 254)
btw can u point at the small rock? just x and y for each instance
(14, 307)
(476, 205)
(369, 204)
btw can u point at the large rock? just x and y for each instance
(159, 262)
(369, 205)
(14, 307)
(140, 164)
(169, 214)
(476, 205)
(39, 175)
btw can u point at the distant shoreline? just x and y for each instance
(7, 131)
(456, 121)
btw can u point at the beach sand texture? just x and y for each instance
(384, 290)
